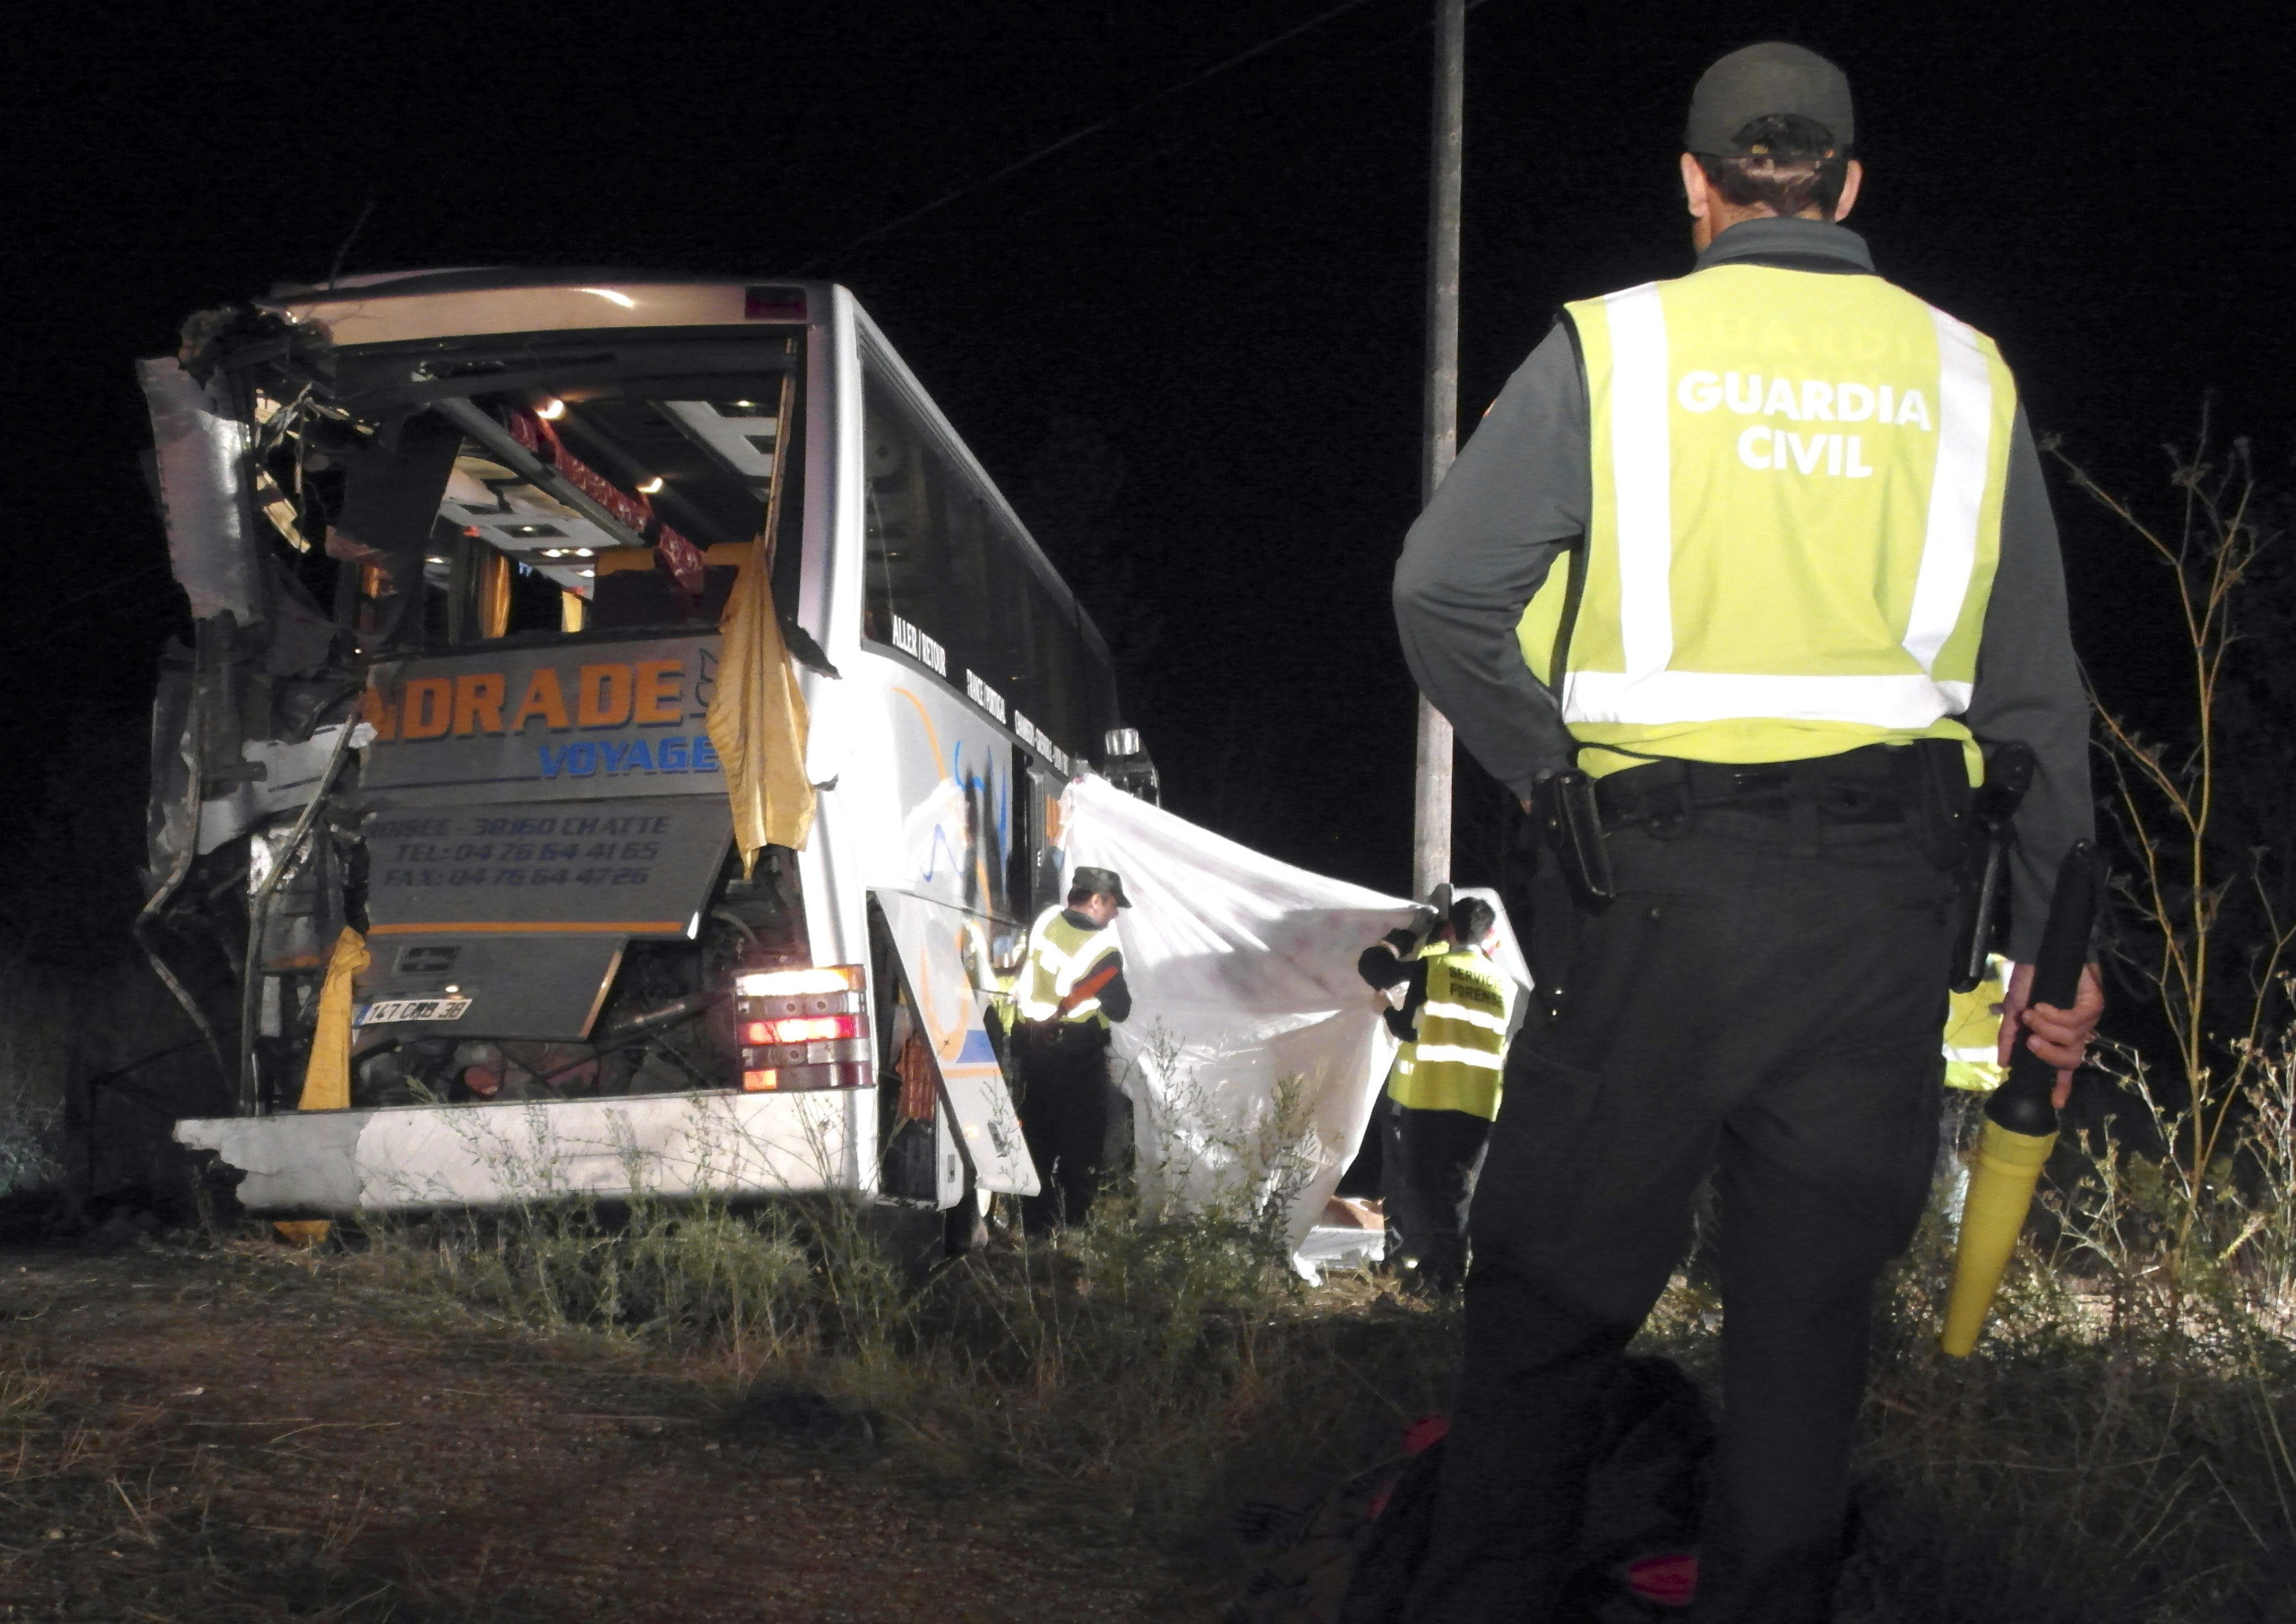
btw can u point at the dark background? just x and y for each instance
(1188, 344)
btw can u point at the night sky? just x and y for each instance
(1187, 344)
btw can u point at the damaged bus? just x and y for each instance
(623, 735)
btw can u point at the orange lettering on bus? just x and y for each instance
(478, 703)
(429, 707)
(603, 696)
(379, 713)
(657, 688)
(545, 699)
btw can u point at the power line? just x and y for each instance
(1094, 128)
(1180, 142)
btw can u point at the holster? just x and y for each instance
(1981, 874)
(1572, 824)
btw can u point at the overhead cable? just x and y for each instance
(1094, 128)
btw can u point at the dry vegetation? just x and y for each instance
(667, 1413)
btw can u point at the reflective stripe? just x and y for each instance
(1642, 478)
(1460, 1011)
(1987, 1052)
(1452, 1051)
(1908, 700)
(1956, 489)
(1050, 972)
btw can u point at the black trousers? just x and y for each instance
(1427, 1173)
(1763, 1001)
(1065, 1118)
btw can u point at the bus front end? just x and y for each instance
(444, 857)
(441, 757)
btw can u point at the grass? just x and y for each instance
(2124, 1436)
(2118, 1449)
(33, 1047)
(1162, 1364)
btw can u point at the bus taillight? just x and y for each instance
(803, 1028)
(818, 980)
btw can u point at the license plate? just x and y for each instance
(412, 1009)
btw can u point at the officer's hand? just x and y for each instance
(2059, 1036)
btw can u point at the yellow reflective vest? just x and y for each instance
(1795, 518)
(1973, 1032)
(1455, 1062)
(1061, 956)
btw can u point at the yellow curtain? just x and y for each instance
(327, 1078)
(758, 718)
(494, 593)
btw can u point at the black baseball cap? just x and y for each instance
(1099, 882)
(1762, 81)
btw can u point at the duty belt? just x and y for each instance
(1874, 785)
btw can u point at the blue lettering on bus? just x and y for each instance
(615, 759)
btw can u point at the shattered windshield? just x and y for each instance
(477, 490)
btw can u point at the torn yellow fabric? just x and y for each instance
(758, 718)
(327, 1076)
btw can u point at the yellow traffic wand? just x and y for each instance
(2021, 1117)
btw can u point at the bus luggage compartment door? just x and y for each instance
(931, 938)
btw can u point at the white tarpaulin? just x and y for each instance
(1255, 1053)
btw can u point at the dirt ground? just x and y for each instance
(218, 1435)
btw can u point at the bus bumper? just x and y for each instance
(416, 1157)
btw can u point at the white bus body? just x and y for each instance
(501, 1052)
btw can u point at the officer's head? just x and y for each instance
(1770, 134)
(1473, 923)
(1098, 893)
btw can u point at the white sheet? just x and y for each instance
(1242, 972)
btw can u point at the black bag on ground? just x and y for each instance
(1635, 1558)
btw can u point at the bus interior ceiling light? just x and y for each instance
(552, 410)
(649, 487)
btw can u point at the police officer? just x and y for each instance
(1071, 986)
(1443, 1089)
(1760, 549)
(1973, 1069)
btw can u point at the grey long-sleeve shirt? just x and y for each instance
(1519, 494)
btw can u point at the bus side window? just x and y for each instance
(903, 559)
(938, 556)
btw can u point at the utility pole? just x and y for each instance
(1430, 824)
